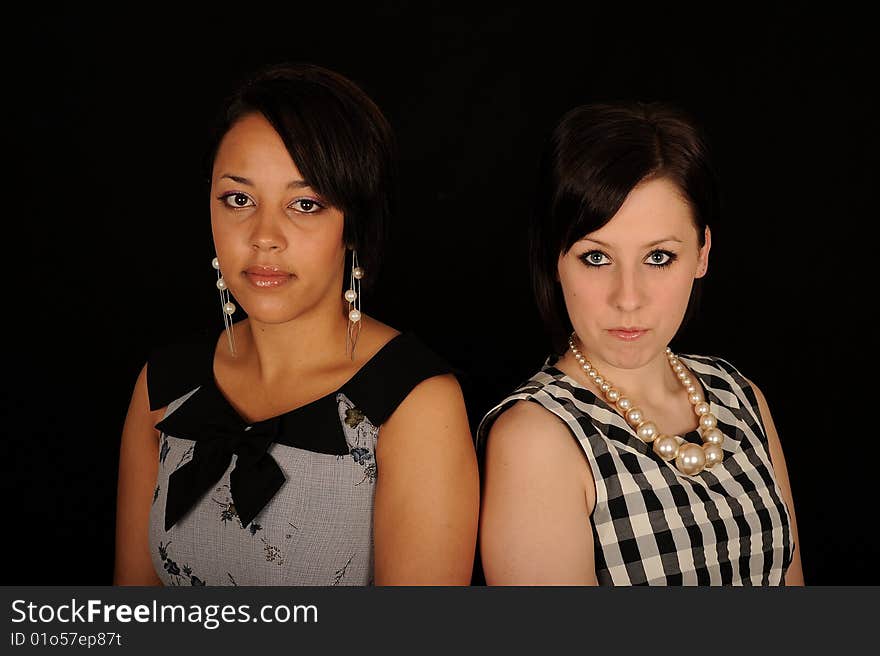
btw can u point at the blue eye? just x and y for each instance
(236, 200)
(661, 258)
(595, 258)
(307, 205)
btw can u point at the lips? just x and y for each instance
(266, 276)
(627, 334)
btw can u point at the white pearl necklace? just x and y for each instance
(690, 459)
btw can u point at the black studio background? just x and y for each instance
(110, 219)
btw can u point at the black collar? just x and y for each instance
(209, 419)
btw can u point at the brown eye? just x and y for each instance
(307, 205)
(237, 200)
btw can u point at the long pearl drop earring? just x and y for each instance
(227, 305)
(353, 296)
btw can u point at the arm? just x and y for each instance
(138, 466)
(537, 498)
(427, 492)
(795, 575)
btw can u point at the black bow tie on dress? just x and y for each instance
(254, 480)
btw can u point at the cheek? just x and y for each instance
(672, 289)
(582, 290)
(224, 242)
(583, 293)
(320, 249)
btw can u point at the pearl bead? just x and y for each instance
(354, 316)
(666, 446)
(708, 421)
(229, 308)
(215, 263)
(351, 295)
(221, 284)
(690, 459)
(634, 416)
(358, 272)
(713, 436)
(713, 453)
(647, 431)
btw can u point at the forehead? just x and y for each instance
(654, 209)
(253, 149)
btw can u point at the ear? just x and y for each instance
(703, 261)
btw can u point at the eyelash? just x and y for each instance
(223, 199)
(671, 258)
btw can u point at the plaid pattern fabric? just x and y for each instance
(653, 525)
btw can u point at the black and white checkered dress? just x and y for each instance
(653, 525)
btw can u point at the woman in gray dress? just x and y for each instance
(308, 444)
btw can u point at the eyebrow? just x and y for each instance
(653, 243)
(293, 184)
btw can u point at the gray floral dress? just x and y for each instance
(283, 501)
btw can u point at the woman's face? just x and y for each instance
(627, 285)
(278, 242)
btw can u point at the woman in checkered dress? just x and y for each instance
(675, 475)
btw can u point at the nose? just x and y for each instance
(266, 233)
(627, 294)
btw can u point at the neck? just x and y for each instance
(278, 350)
(653, 383)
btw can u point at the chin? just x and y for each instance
(272, 313)
(631, 356)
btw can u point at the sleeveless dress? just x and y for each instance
(653, 525)
(283, 501)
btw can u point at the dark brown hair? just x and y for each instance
(338, 138)
(595, 157)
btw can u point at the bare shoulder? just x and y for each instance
(530, 450)
(528, 436)
(433, 406)
(527, 425)
(434, 410)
